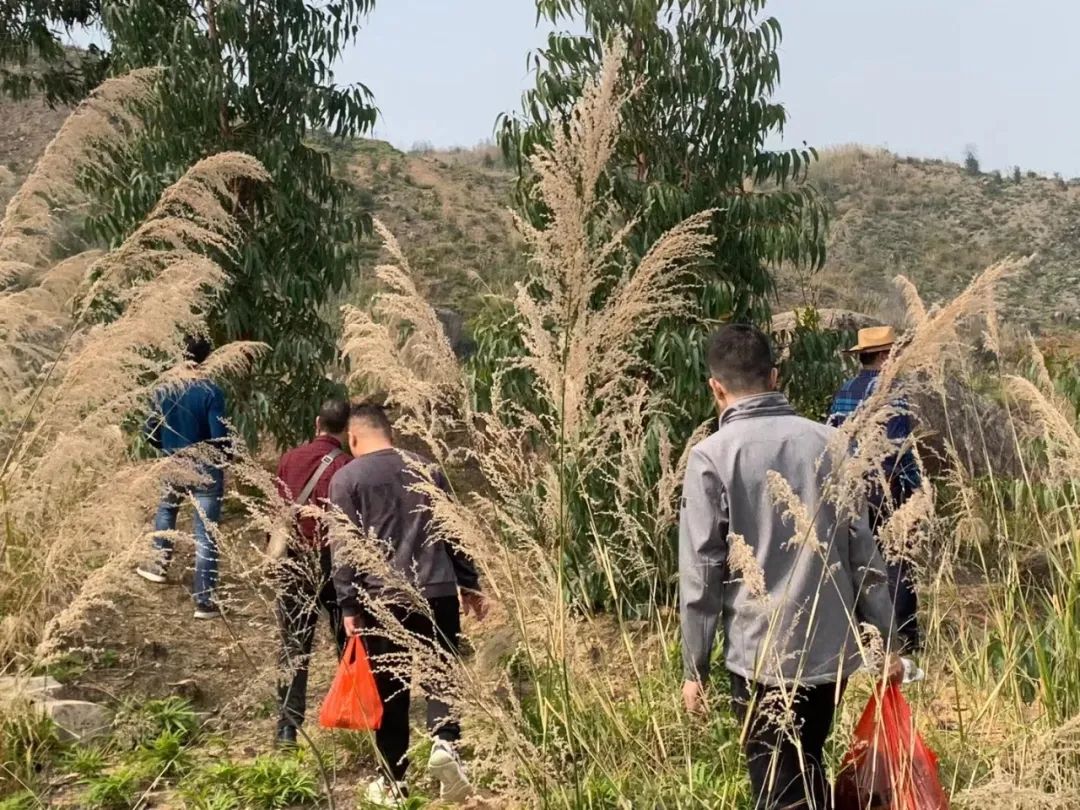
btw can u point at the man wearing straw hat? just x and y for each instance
(900, 470)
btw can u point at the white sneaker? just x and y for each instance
(445, 765)
(912, 672)
(381, 794)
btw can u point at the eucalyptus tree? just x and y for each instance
(693, 138)
(248, 75)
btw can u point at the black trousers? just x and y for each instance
(391, 663)
(305, 591)
(781, 777)
(901, 580)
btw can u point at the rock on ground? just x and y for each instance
(77, 720)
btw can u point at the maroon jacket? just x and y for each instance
(296, 468)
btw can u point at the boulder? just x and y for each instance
(30, 687)
(77, 720)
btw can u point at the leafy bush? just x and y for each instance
(813, 365)
(971, 162)
(496, 333)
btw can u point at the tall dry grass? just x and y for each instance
(86, 339)
(568, 708)
(563, 706)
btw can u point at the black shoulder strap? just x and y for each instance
(324, 465)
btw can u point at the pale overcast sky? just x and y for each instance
(922, 77)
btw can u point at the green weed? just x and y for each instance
(84, 761)
(118, 790)
(23, 800)
(267, 783)
(28, 745)
(140, 723)
(167, 755)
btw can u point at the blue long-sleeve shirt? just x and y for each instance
(898, 429)
(188, 415)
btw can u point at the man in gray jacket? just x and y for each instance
(794, 579)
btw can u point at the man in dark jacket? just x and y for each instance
(182, 418)
(306, 587)
(377, 492)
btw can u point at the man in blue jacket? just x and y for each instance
(900, 470)
(183, 417)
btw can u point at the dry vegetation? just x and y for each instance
(939, 226)
(562, 707)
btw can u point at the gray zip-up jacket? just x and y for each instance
(795, 617)
(376, 492)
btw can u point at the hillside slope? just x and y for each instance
(929, 220)
(938, 225)
(450, 213)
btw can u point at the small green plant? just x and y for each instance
(28, 744)
(118, 790)
(23, 800)
(174, 715)
(167, 755)
(64, 668)
(273, 782)
(266, 783)
(84, 761)
(139, 724)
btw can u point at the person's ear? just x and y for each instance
(774, 379)
(318, 425)
(718, 392)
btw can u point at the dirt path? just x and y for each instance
(151, 647)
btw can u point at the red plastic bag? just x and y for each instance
(889, 767)
(353, 700)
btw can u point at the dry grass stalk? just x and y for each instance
(74, 499)
(105, 121)
(515, 526)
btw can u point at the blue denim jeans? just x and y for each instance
(208, 503)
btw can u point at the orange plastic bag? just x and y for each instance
(353, 700)
(889, 767)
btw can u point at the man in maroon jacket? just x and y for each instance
(306, 587)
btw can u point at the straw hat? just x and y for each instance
(874, 339)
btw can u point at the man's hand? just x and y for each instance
(352, 625)
(693, 696)
(894, 670)
(475, 603)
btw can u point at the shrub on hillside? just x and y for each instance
(971, 162)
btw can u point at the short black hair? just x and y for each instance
(869, 358)
(740, 358)
(334, 416)
(197, 348)
(373, 415)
